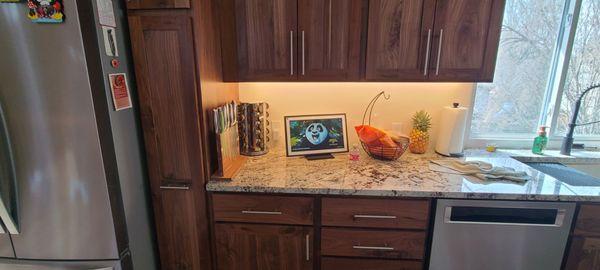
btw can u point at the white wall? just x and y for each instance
(352, 99)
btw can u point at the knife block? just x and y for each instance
(228, 154)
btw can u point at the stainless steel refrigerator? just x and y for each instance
(72, 177)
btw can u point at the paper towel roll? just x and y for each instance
(451, 136)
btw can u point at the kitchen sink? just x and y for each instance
(565, 173)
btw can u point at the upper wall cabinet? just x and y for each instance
(157, 4)
(399, 41)
(467, 34)
(288, 40)
(329, 39)
(406, 45)
(266, 39)
(335, 40)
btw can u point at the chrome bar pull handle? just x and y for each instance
(291, 52)
(374, 217)
(373, 248)
(303, 60)
(176, 187)
(8, 198)
(427, 52)
(437, 68)
(252, 212)
(307, 247)
(11, 226)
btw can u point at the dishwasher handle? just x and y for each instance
(539, 217)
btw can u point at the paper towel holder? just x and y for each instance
(454, 135)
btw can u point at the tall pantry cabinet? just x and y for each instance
(176, 53)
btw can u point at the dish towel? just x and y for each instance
(482, 170)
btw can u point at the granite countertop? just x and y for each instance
(410, 176)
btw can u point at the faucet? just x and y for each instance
(567, 143)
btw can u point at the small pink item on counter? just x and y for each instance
(354, 154)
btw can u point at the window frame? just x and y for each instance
(552, 97)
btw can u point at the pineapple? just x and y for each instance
(419, 135)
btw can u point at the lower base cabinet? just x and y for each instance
(328, 263)
(263, 247)
(584, 254)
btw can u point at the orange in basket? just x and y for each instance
(378, 144)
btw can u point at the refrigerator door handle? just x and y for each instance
(9, 223)
(8, 206)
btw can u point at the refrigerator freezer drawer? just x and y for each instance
(6, 264)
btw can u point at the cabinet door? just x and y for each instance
(584, 254)
(266, 39)
(263, 247)
(329, 39)
(163, 56)
(164, 64)
(157, 4)
(177, 230)
(399, 38)
(333, 263)
(466, 40)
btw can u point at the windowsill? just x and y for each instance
(525, 155)
(554, 142)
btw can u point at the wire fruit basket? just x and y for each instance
(383, 152)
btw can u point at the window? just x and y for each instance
(549, 52)
(583, 71)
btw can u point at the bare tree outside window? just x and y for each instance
(513, 102)
(584, 70)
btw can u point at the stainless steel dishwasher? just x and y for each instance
(500, 235)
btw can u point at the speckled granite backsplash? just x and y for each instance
(410, 176)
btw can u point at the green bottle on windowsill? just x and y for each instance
(540, 142)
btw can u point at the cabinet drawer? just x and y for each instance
(368, 264)
(371, 243)
(588, 220)
(263, 209)
(375, 213)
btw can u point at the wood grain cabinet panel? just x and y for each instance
(584, 254)
(177, 230)
(329, 39)
(375, 213)
(266, 39)
(164, 63)
(329, 263)
(373, 244)
(397, 39)
(588, 221)
(466, 39)
(264, 247)
(163, 55)
(263, 209)
(157, 4)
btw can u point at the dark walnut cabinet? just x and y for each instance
(282, 239)
(157, 4)
(290, 40)
(248, 247)
(329, 39)
(312, 232)
(467, 34)
(433, 40)
(584, 249)
(266, 38)
(361, 40)
(176, 54)
(163, 55)
(399, 41)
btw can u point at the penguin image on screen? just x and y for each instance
(317, 136)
